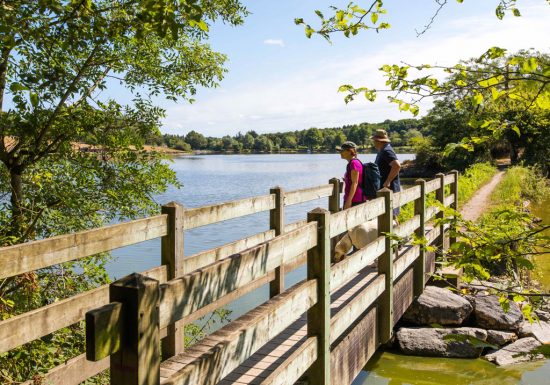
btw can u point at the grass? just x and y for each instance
(521, 184)
(469, 182)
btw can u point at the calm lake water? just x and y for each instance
(216, 178)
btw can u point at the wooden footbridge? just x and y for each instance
(320, 331)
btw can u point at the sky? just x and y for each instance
(279, 80)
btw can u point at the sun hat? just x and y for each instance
(346, 146)
(380, 136)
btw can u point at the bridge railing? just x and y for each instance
(170, 226)
(193, 286)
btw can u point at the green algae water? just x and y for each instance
(395, 369)
(387, 368)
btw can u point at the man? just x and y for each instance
(387, 163)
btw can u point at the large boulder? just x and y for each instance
(431, 342)
(438, 306)
(500, 338)
(520, 351)
(490, 315)
(541, 331)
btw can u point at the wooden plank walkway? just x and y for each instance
(268, 358)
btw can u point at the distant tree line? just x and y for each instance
(402, 133)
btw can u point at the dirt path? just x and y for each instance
(481, 199)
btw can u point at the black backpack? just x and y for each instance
(370, 183)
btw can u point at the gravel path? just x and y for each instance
(481, 199)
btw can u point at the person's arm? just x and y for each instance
(353, 188)
(395, 167)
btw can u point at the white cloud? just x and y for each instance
(309, 98)
(278, 42)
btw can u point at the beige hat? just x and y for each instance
(380, 136)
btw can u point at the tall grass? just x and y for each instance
(521, 184)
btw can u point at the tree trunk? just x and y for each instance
(16, 200)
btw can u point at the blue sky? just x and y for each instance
(279, 80)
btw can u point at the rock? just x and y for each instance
(439, 306)
(430, 342)
(525, 329)
(543, 315)
(498, 337)
(490, 315)
(519, 351)
(541, 331)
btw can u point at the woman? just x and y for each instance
(353, 194)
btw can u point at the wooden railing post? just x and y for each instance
(385, 266)
(440, 196)
(277, 223)
(172, 257)
(334, 199)
(454, 205)
(137, 362)
(318, 316)
(419, 279)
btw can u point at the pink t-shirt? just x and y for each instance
(354, 164)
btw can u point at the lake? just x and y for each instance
(211, 179)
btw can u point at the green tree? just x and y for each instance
(56, 58)
(197, 140)
(313, 137)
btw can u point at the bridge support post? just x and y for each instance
(137, 362)
(419, 279)
(440, 196)
(334, 199)
(277, 223)
(318, 316)
(385, 266)
(172, 256)
(454, 205)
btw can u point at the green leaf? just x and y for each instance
(374, 17)
(516, 130)
(16, 87)
(34, 99)
(477, 98)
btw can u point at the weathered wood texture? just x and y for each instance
(449, 178)
(295, 365)
(449, 200)
(72, 372)
(408, 227)
(334, 198)
(137, 362)
(277, 224)
(202, 216)
(103, 327)
(354, 216)
(402, 295)
(204, 258)
(405, 260)
(353, 351)
(408, 195)
(233, 344)
(19, 259)
(385, 267)
(345, 269)
(420, 262)
(185, 295)
(318, 316)
(172, 257)
(37, 323)
(433, 185)
(347, 315)
(308, 194)
(431, 211)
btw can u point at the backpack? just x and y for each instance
(370, 182)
